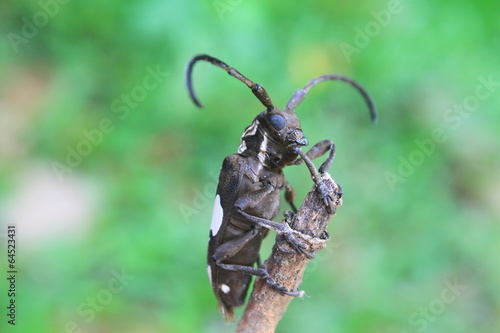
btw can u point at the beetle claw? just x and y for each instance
(309, 255)
(298, 293)
(327, 198)
(288, 216)
(297, 242)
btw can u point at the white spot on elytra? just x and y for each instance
(209, 270)
(216, 216)
(225, 288)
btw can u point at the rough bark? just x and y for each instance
(286, 266)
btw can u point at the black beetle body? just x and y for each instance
(248, 192)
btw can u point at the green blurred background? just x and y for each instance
(113, 238)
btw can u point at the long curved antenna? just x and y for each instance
(300, 94)
(257, 89)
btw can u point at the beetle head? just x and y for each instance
(281, 137)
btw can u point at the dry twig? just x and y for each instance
(286, 266)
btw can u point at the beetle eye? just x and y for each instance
(277, 121)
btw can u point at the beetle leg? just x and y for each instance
(260, 272)
(258, 261)
(230, 248)
(316, 151)
(254, 195)
(328, 162)
(297, 246)
(315, 175)
(282, 229)
(290, 196)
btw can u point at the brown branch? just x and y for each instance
(266, 306)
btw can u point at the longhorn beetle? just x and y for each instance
(248, 192)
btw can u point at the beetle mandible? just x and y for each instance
(250, 183)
